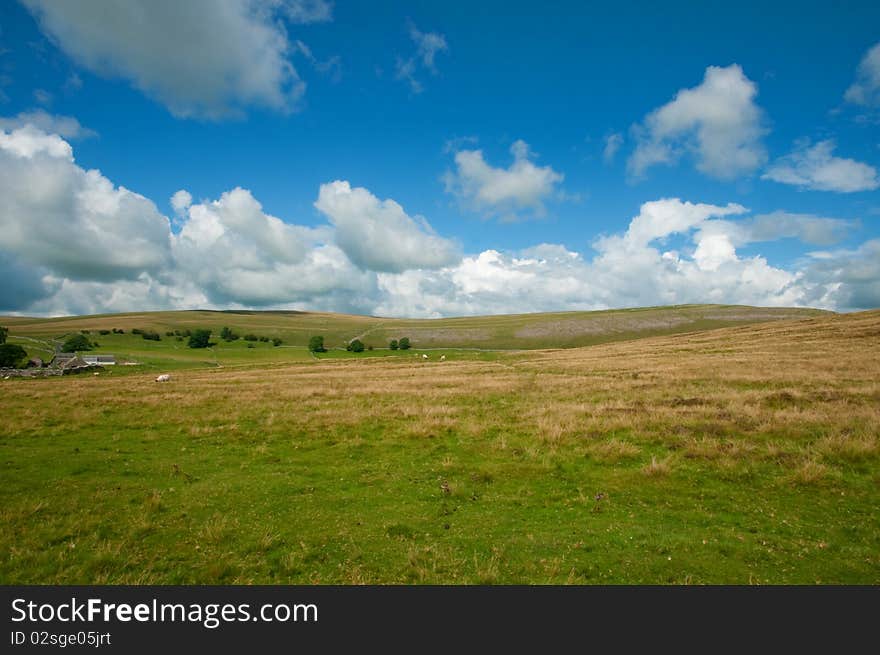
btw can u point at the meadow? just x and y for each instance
(746, 454)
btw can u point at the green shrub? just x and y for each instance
(200, 338)
(76, 342)
(103, 332)
(393, 344)
(404, 343)
(227, 334)
(251, 337)
(276, 342)
(149, 335)
(12, 355)
(356, 346)
(316, 344)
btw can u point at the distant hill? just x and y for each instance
(514, 331)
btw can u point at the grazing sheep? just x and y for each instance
(424, 357)
(442, 358)
(163, 378)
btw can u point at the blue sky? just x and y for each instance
(487, 157)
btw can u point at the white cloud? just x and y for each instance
(504, 191)
(43, 97)
(845, 279)
(378, 234)
(612, 145)
(64, 126)
(198, 58)
(816, 168)
(306, 11)
(236, 252)
(331, 67)
(660, 218)
(428, 45)
(405, 69)
(717, 122)
(866, 89)
(626, 272)
(72, 221)
(181, 201)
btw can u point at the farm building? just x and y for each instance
(68, 361)
(99, 360)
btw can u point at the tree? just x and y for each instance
(276, 342)
(404, 343)
(316, 344)
(393, 344)
(4, 331)
(76, 343)
(200, 338)
(357, 346)
(12, 355)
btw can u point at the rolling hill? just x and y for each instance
(505, 332)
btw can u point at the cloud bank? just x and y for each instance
(71, 241)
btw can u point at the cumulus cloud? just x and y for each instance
(865, 90)
(612, 145)
(717, 122)
(815, 167)
(428, 44)
(199, 58)
(65, 126)
(181, 201)
(73, 221)
(378, 235)
(236, 252)
(503, 191)
(847, 279)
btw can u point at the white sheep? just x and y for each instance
(442, 358)
(163, 378)
(424, 357)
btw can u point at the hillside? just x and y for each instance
(520, 331)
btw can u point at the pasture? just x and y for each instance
(745, 454)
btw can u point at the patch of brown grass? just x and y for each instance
(613, 451)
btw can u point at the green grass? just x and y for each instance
(717, 463)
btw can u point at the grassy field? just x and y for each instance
(521, 331)
(739, 455)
